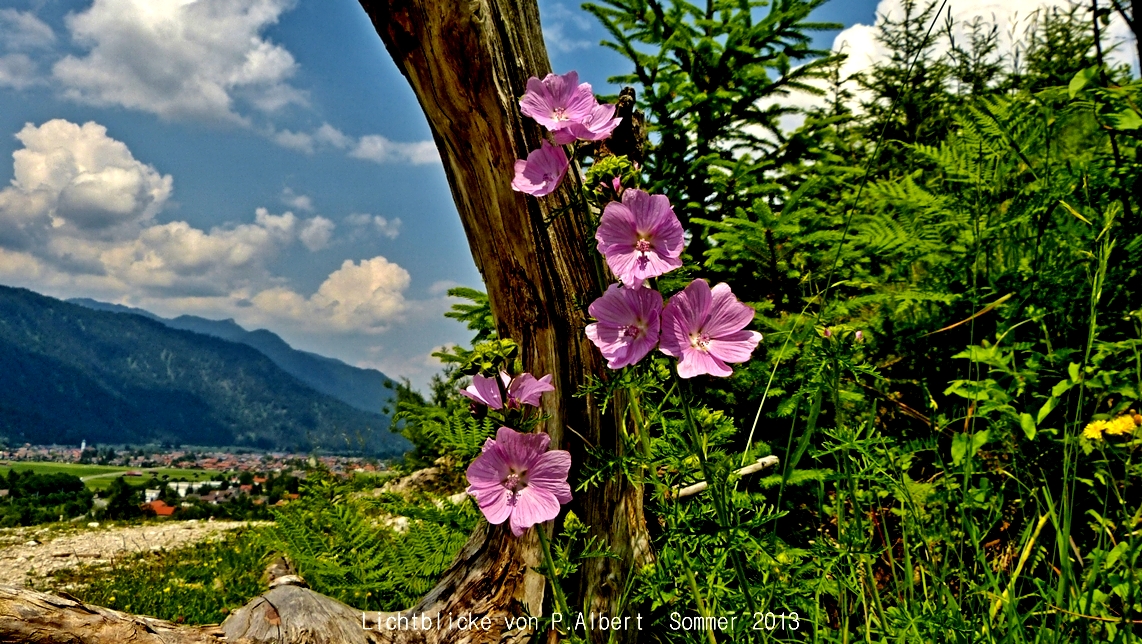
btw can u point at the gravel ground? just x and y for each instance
(33, 553)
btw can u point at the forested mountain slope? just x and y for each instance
(69, 373)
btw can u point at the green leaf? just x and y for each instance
(967, 445)
(959, 448)
(1028, 425)
(1059, 389)
(979, 440)
(1081, 79)
(1073, 372)
(1127, 119)
(1046, 409)
(1115, 553)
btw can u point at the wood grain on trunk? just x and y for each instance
(468, 63)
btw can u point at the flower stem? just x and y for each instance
(693, 583)
(716, 490)
(549, 561)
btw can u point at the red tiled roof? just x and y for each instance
(160, 508)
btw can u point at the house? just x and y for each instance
(159, 508)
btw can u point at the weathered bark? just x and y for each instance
(468, 61)
(30, 617)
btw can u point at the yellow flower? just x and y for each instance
(1121, 425)
(1094, 430)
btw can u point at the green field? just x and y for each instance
(99, 477)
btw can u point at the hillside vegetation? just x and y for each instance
(69, 373)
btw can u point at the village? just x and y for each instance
(153, 456)
(125, 482)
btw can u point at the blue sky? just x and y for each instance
(261, 160)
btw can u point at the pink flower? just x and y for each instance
(703, 329)
(557, 101)
(597, 126)
(541, 173)
(640, 237)
(628, 324)
(524, 388)
(516, 477)
(485, 391)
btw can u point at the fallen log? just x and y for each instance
(31, 617)
(290, 613)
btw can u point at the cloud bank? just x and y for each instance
(80, 218)
(179, 60)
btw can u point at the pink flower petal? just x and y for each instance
(735, 347)
(564, 136)
(525, 389)
(727, 314)
(703, 328)
(557, 101)
(628, 324)
(616, 228)
(596, 126)
(496, 502)
(692, 306)
(485, 391)
(550, 473)
(533, 505)
(641, 237)
(489, 468)
(520, 450)
(516, 478)
(542, 172)
(696, 363)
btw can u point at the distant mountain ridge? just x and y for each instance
(362, 388)
(71, 372)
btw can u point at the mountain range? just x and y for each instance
(364, 389)
(85, 370)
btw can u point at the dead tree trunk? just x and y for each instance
(468, 62)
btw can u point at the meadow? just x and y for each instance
(98, 478)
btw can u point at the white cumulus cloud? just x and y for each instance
(388, 227)
(565, 30)
(371, 147)
(378, 149)
(179, 59)
(70, 178)
(18, 71)
(22, 30)
(294, 200)
(316, 233)
(79, 218)
(1011, 18)
(358, 297)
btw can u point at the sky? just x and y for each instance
(263, 160)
